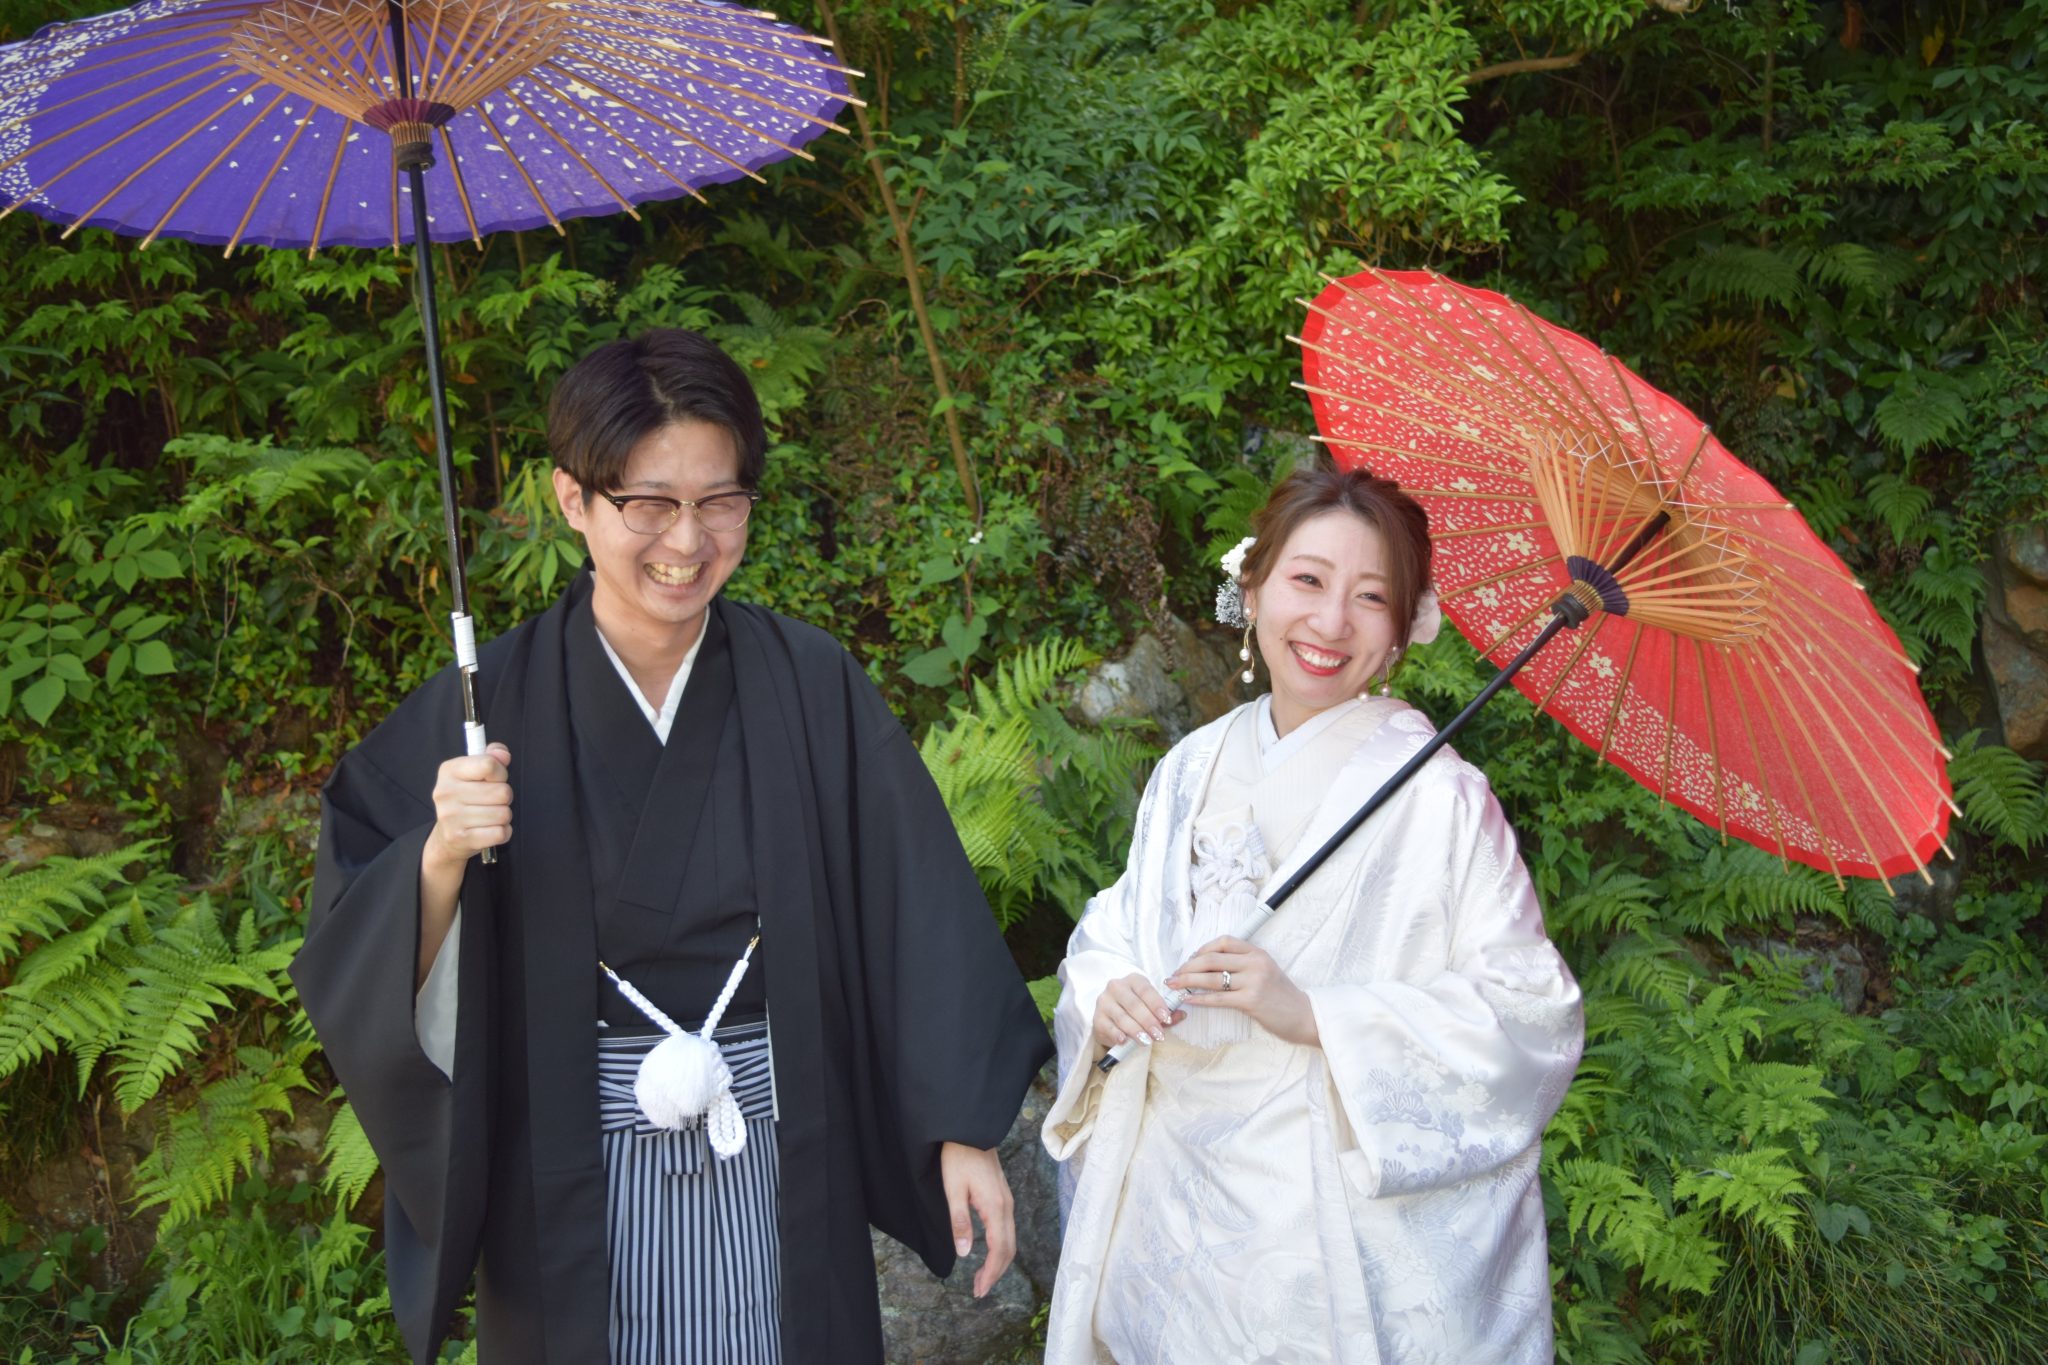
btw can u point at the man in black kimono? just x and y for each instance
(787, 802)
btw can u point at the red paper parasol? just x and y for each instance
(1725, 657)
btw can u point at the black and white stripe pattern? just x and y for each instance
(695, 1257)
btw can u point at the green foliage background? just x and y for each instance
(1820, 225)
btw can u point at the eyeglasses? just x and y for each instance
(649, 515)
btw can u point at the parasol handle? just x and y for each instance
(1568, 613)
(414, 155)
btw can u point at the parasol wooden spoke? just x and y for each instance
(1508, 429)
(1856, 765)
(1446, 594)
(1863, 696)
(1585, 643)
(571, 148)
(1827, 772)
(1699, 658)
(1628, 670)
(1477, 388)
(1406, 419)
(586, 111)
(484, 115)
(454, 164)
(681, 25)
(1503, 528)
(581, 24)
(1493, 471)
(1512, 379)
(1670, 723)
(234, 98)
(659, 121)
(218, 157)
(1762, 785)
(327, 192)
(44, 111)
(1820, 836)
(1516, 629)
(637, 59)
(1542, 334)
(125, 133)
(701, 79)
(263, 187)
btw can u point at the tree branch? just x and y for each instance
(1522, 64)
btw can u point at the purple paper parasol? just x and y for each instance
(228, 121)
(310, 123)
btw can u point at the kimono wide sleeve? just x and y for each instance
(356, 976)
(1444, 1076)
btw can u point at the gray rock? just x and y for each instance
(1179, 683)
(1835, 969)
(2016, 637)
(927, 1321)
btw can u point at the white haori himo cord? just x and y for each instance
(685, 1077)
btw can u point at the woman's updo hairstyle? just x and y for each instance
(1380, 503)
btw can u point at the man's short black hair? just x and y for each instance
(625, 391)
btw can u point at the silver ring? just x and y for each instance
(1226, 978)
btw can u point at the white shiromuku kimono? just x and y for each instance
(1233, 1197)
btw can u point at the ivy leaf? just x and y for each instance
(41, 698)
(153, 658)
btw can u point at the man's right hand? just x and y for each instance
(472, 808)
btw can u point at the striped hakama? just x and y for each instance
(693, 1242)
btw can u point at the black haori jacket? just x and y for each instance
(899, 1020)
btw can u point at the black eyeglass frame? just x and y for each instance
(619, 500)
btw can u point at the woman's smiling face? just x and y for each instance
(1322, 616)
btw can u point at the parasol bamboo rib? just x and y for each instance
(1585, 643)
(677, 24)
(1506, 428)
(586, 46)
(1571, 371)
(327, 191)
(1670, 721)
(1756, 760)
(1491, 471)
(1477, 393)
(1699, 658)
(574, 151)
(1628, 669)
(45, 110)
(1888, 645)
(1827, 772)
(637, 30)
(234, 98)
(1456, 346)
(1446, 594)
(1820, 839)
(1454, 532)
(1563, 406)
(454, 165)
(1516, 629)
(1469, 438)
(1471, 494)
(585, 78)
(1855, 764)
(484, 115)
(124, 134)
(739, 90)
(218, 157)
(255, 199)
(586, 111)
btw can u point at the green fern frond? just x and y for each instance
(84, 1010)
(182, 978)
(1751, 273)
(1615, 901)
(1901, 505)
(1775, 1099)
(1679, 1254)
(205, 1148)
(43, 900)
(351, 1162)
(1757, 1185)
(2000, 792)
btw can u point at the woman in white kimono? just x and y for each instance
(1331, 1153)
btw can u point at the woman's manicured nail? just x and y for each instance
(963, 1245)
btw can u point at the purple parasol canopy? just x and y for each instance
(230, 121)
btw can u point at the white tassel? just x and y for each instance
(685, 1077)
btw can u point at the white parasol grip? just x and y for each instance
(473, 741)
(465, 641)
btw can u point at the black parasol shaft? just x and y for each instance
(414, 157)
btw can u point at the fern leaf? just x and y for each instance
(351, 1162)
(1756, 1185)
(84, 1010)
(43, 900)
(1921, 409)
(2000, 792)
(182, 977)
(205, 1148)
(1901, 505)
(1750, 273)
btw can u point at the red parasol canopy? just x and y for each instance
(1732, 665)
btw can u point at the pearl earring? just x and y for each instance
(1387, 677)
(1244, 655)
